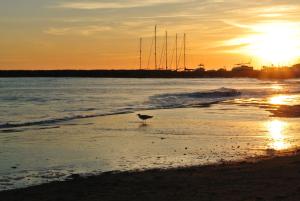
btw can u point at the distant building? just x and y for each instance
(242, 68)
(274, 69)
(199, 69)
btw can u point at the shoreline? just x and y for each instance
(274, 177)
(273, 73)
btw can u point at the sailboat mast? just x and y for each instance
(184, 52)
(176, 51)
(155, 46)
(166, 50)
(141, 40)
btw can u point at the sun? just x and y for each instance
(276, 43)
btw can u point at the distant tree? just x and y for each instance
(200, 68)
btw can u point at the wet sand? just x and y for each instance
(276, 178)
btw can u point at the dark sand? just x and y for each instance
(277, 178)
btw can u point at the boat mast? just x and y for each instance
(166, 50)
(176, 52)
(184, 52)
(141, 40)
(155, 46)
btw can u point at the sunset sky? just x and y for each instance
(104, 34)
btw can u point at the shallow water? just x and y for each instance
(51, 128)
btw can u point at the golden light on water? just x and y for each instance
(276, 130)
(279, 100)
(284, 99)
(276, 87)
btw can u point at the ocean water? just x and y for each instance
(51, 128)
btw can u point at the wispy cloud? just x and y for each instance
(170, 16)
(80, 30)
(117, 4)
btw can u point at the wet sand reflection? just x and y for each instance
(277, 136)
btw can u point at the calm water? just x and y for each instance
(51, 128)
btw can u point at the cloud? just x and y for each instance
(118, 4)
(170, 16)
(80, 30)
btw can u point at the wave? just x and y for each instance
(36, 100)
(193, 99)
(160, 101)
(52, 121)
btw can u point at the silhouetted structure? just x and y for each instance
(242, 68)
(238, 72)
(296, 68)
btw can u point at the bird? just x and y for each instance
(144, 117)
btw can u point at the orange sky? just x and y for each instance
(55, 34)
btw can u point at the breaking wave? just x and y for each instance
(193, 99)
(46, 122)
(161, 101)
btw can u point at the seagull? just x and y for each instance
(144, 117)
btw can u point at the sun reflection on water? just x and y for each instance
(280, 100)
(276, 87)
(276, 130)
(284, 99)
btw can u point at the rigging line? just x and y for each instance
(150, 54)
(173, 51)
(181, 49)
(161, 56)
(140, 57)
(191, 59)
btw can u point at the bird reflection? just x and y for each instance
(276, 130)
(143, 125)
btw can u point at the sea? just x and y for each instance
(53, 128)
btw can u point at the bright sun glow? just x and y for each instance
(271, 43)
